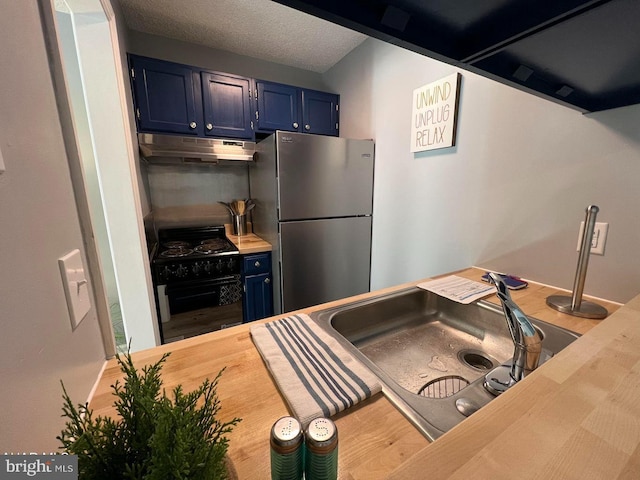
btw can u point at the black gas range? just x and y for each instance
(196, 268)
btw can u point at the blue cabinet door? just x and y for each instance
(278, 107)
(258, 299)
(320, 112)
(166, 99)
(227, 105)
(257, 302)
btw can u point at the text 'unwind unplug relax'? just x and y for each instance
(433, 114)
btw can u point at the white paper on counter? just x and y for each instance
(458, 289)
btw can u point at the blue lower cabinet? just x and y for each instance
(257, 301)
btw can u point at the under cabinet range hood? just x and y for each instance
(172, 149)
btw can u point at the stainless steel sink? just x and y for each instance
(430, 353)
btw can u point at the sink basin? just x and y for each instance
(431, 353)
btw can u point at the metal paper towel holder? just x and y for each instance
(574, 304)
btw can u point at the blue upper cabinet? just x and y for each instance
(166, 100)
(294, 109)
(278, 107)
(320, 112)
(180, 99)
(227, 105)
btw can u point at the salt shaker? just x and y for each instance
(287, 449)
(321, 459)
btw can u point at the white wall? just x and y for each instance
(38, 224)
(509, 196)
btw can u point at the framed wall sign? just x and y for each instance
(434, 113)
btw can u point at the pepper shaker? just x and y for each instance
(321, 459)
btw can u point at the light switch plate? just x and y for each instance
(76, 287)
(2, 168)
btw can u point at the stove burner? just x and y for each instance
(211, 245)
(214, 242)
(176, 244)
(208, 249)
(176, 252)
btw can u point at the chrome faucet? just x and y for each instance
(526, 340)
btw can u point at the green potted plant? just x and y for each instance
(156, 436)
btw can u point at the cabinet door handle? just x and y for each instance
(267, 281)
(295, 124)
(209, 126)
(307, 127)
(193, 125)
(257, 264)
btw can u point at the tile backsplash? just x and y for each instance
(188, 195)
(185, 185)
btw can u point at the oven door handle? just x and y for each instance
(230, 279)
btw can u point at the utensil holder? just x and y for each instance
(239, 223)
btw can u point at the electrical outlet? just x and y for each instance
(598, 240)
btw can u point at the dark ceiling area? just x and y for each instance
(583, 54)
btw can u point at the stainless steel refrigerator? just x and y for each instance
(314, 203)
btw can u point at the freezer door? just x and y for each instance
(323, 177)
(324, 260)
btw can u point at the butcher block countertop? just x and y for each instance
(249, 243)
(576, 417)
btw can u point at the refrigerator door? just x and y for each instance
(323, 177)
(324, 260)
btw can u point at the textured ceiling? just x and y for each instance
(255, 28)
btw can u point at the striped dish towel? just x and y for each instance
(316, 375)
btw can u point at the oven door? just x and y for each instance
(192, 308)
(189, 296)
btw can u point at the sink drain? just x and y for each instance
(443, 387)
(476, 360)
